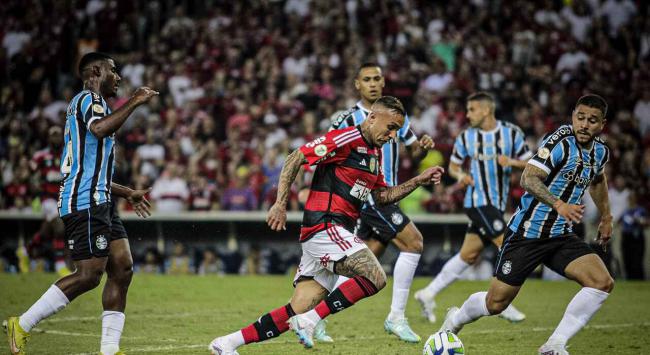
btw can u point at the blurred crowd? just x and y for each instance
(242, 83)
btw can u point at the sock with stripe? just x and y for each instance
(266, 327)
(349, 293)
(52, 301)
(579, 311)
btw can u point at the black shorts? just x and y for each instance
(486, 221)
(519, 256)
(381, 222)
(90, 232)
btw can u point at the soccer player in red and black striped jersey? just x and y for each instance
(348, 172)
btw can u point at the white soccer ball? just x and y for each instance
(443, 343)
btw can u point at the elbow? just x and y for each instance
(98, 131)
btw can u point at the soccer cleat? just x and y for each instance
(427, 304)
(219, 346)
(304, 329)
(320, 332)
(553, 349)
(512, 314)
(402, 329)
(447, 325)
(16, 336)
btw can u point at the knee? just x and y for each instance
(496, 305)
(378, 278)
(606, 284)
(90, 279)
(469, 257)
(123, 274)
(413, 243)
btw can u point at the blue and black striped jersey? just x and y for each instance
(570, 168)
(87, 161)
(491, 180)
(390, 150)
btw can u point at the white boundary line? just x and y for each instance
(149, 349)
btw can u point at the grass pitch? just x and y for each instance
(182, 314)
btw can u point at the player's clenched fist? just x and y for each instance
(431, 175)
(277, 217)
(143, 94)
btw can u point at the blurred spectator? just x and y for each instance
(210, 263)
(634, 221)
(170, 191)
(619, 195)
(240, 196)
(151, 263)
(179, 261)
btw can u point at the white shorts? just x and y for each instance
(321, 251)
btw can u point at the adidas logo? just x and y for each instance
(363, 162)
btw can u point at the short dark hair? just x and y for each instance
(595, 101)
(90, 58)
(367, 65)
(480, 96)
(392, 104)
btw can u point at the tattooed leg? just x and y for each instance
(365, 264)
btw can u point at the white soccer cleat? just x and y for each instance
(553, 349)
(512, 314)
(219, 346)
(447, 325)
(304, 329)
(320, 332)
(427, 304)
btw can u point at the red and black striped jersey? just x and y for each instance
(348, 170)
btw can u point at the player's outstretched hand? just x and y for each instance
(430, 176)
(277, 218)
(141, 205)
(143, 94)
(427, 142)
(573, 213)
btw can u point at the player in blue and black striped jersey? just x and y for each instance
(493, 147)
(568, 162)
(96, 237)
(380, 225)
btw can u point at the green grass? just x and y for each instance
(182, 314)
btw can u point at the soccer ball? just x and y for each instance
(443, 343)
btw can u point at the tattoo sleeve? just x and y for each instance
(363, 263)
(289, 172)
(387, 195)
(598, 192)
(532, 180)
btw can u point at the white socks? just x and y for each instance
(474, 308)
(52, 301)
(449, 273)
(235, 339)
(579, 311)
(112, 325)
(402, 279)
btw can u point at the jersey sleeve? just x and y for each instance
(521, 150)
(459, 152)
(549, 155)
(323, 150)
(92, 108)
(405, 133)
(342, 120)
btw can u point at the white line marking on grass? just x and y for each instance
(149, 349)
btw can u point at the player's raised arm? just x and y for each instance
(386, 195)
(108, 125)
(277, 216)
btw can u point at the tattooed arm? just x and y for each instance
(598, 192)
(532, 180)
(387, 195)
(277, 216)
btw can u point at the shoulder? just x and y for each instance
(562, 133)
(339, 117)
(512, 126)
